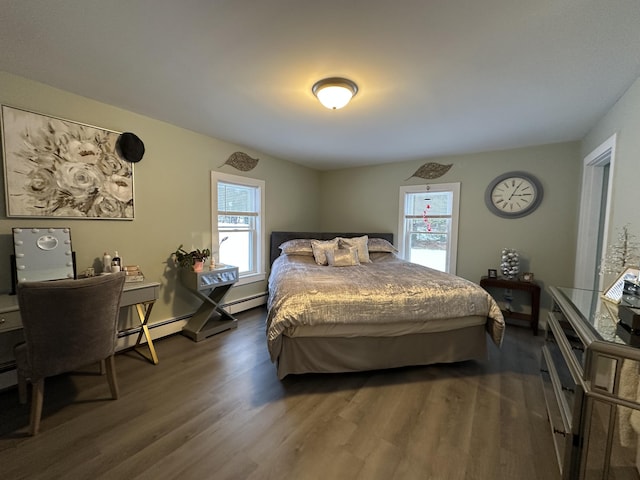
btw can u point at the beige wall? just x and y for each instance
(172, 194)
(367, 199)
(624, 120)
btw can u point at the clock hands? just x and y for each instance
(512, 195)
(515, 190)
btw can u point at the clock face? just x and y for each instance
(513, 195)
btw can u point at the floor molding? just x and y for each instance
(128, 338)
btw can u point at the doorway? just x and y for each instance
(593, 226)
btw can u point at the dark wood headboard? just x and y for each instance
(278, 238)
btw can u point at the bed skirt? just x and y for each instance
(334, 355)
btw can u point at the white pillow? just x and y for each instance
(381, 245)
(320, 248)
(343, 257)
(361, 243)
(297, 246)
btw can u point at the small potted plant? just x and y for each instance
(193, 260)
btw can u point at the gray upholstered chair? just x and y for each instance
(68, 324)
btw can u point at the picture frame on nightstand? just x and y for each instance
(615, 291)
(492, 273)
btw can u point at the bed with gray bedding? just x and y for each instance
(376, 314)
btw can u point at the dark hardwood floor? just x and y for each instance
(215, 410)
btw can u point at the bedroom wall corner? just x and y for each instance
(366, 199)
(172, 195)
(622, 119)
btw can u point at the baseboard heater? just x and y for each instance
(136, 330)
(246, 303)
(236, 306)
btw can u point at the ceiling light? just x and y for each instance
(334, 93)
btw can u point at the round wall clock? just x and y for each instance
(513, 194)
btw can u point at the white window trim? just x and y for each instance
(260, 222)
(455, 213)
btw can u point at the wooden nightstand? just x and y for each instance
(530, 287)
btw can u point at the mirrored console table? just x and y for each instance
(590, 369)
(211, 287)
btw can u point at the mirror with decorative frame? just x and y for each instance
(43, 254)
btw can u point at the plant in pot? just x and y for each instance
(193, 260)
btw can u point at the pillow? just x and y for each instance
(381, 245)
(343, 257)
(320, 248)
(381, 256)
(361, 244)
(297, 246)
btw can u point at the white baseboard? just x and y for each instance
(163, 329)
(173, 326)
(246, 303)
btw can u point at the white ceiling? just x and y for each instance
(435, 77)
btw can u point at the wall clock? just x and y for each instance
(513, 194)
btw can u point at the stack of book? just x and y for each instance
(133, 273)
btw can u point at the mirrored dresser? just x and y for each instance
(590, 366)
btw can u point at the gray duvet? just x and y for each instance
(385, 292)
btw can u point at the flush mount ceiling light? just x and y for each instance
(335, 92)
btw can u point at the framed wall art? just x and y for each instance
(58, 168)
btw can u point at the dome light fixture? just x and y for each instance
(334, 92)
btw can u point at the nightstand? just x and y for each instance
(532, 288)
(211, 286)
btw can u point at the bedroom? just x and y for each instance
(173, 192)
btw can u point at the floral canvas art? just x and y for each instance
(59, 168)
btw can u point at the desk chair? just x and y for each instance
(68, 324)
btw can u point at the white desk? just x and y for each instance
(141, 295)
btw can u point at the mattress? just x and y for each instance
(387, 297)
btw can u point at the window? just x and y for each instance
(428, 225)
(238, 230)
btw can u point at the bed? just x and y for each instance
(369, 315)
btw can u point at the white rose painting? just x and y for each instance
(59, 168)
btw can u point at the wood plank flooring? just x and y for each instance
(216, 410)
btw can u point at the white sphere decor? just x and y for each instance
(510, 263)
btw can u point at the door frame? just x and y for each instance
(589, 221)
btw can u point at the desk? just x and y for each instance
(141, 295)
(532, 288)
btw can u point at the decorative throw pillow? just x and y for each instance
(361, 243)
(320, 248)
(381, 245)
(343, 257)
(297, 246)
